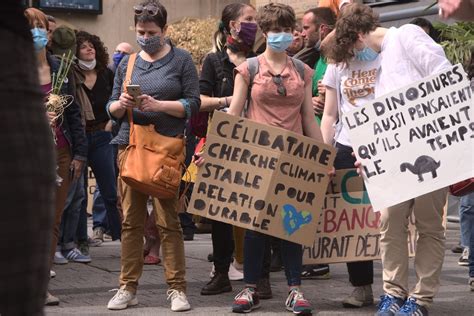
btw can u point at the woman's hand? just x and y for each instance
(318, 105)
(126, 101)
(149, 104)
(359, 167)
(198, 160)
(76, 166)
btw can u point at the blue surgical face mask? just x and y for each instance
(279, 42)
(150, 45)
(366, 54)
(117, 58)
(40, 38)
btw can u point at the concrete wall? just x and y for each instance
(115, 24)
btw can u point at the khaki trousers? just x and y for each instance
(134, 205)
(429, 257)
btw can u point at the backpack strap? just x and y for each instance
(253, 70)
(299, 65)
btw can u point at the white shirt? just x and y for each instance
(408, 54)
(355, 85)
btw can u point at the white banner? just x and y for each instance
(417, 139)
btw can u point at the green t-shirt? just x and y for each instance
(319, 71)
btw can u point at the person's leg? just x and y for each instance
(99, 213)
(292, 257)
(134, 211)
(27, 184)
(71, 218)
(63, 161)
(239, 235)
(172, 244)
(254, 246)
(186, 219)
(172, 248)
(467, 209)
(102, 164)
(81, 233)
(222, 246)
(394, 248)
(429, 256)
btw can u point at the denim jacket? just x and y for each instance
(71, 126)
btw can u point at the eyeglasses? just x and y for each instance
(148, 9)
(278, 80)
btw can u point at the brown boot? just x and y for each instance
(219, 283)
(264, 289)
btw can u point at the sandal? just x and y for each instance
(150, 259)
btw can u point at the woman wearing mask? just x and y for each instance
(71, 144)
(279, 97)
(169, 82)
(343, 84)
(233, 44)
(94, 82)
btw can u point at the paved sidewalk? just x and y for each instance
(84, 289)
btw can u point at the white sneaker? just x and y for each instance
(234, 274)
(59, 258)
(52, 274)
(122, 299)
(179, 301)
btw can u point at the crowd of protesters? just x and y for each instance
(296, 81)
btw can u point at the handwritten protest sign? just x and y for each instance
(348, 228)
(417, 139)
(262, 178)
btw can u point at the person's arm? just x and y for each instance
(119, 102)
(310, 127)
(239, 96)
(457, 9)
(330, 115)
(425, 54)
(190, 101)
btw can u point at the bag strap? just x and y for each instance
(299, 65)
(127, 81)
(253, 70)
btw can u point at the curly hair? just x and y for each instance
(101, 54)
(276, 14)
(355, 19)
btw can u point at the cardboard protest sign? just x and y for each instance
(262, 178)
(417, 139)
(348, 228)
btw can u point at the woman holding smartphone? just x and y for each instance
(169, 84)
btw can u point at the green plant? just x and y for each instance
(457, 40)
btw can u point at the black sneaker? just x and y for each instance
(316, 271)
(188, 237)
(457, 249)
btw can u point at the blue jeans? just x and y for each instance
(101, 161)
(71, 214)
(466, 214)
(99, 213)
(255, 244)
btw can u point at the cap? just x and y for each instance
(63, 40)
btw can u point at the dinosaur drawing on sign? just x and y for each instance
(423, 164)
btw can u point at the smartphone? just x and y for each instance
(135, 91)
